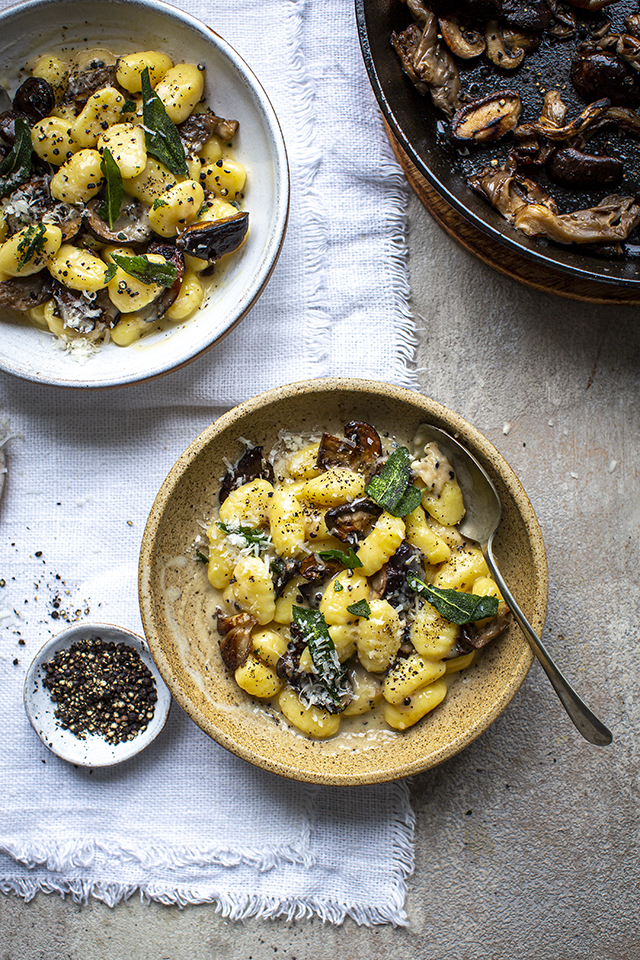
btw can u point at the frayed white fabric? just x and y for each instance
(186, 822)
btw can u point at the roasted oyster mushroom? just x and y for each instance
(200, 127)
(429, 63)
(211, 239)
(488, 119)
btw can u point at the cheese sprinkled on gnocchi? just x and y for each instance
(344, 587)
(119, 195)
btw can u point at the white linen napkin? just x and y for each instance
(187, 822)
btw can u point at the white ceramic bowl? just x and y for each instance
(40, 26)
(94, 751)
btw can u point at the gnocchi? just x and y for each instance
(135, 196)
(360, 625)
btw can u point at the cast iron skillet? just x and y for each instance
(422, 133)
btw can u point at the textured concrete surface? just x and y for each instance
(527, 842)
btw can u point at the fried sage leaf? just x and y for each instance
(31, 243)
(160, 132)
(15, 169)
(453, 605)
(391, 488)
(147, 271)
(330, 675)
(113, 191)
(348, 558)
(360, 609)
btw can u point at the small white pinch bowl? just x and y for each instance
(232, 90)
(94, 751)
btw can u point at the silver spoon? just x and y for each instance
(480, 523)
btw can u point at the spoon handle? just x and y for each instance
(585, 721)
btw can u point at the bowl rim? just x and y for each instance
(117, 634)
(486, 451)
(500, 236)
(275, 240)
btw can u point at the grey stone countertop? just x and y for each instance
(527, 841)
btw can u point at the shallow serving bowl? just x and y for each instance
(177, 607)
(93, 751)
(233, 91)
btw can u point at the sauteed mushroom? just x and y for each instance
(601, 74)
(497, 51)
(235, 638)
(428, 61)
(23, 293)
(571, 166)
(250, 466)
(487, 119)
(212, 239)
(35, 98)
(464, 43)
(360, 450)
(352, 521)
(131, 227)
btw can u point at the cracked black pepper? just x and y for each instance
(101, 687)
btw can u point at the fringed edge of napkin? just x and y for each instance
(72, 857)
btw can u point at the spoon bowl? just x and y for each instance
(480, 523)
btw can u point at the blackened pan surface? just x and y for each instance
(423, 132)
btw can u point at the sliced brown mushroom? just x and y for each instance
(131, 227)
(463, 42)
(488, 119)
(23, 293)
(351, 522)
(235, 638)
(251, 466)
(520, 39)
(574, 168)
(86, 78)
(212, 239)
(360, 450)
(497, 50)
(315, 569)
(35, 98)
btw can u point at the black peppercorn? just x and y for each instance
(89, 682)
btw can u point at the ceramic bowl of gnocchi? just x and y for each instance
(298, 574)
(144, 191)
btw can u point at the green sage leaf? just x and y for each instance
(348, 559)
(31, 243)
(160, 132)
(146, 270)
(15, 169)
(391, 489)
(201, 557)
(330, 673)
(454, 605)
(360, 609)
(113, 191)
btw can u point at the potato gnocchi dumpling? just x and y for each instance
(120, 196)
(365, 615)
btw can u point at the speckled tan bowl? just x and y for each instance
(176, 609)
